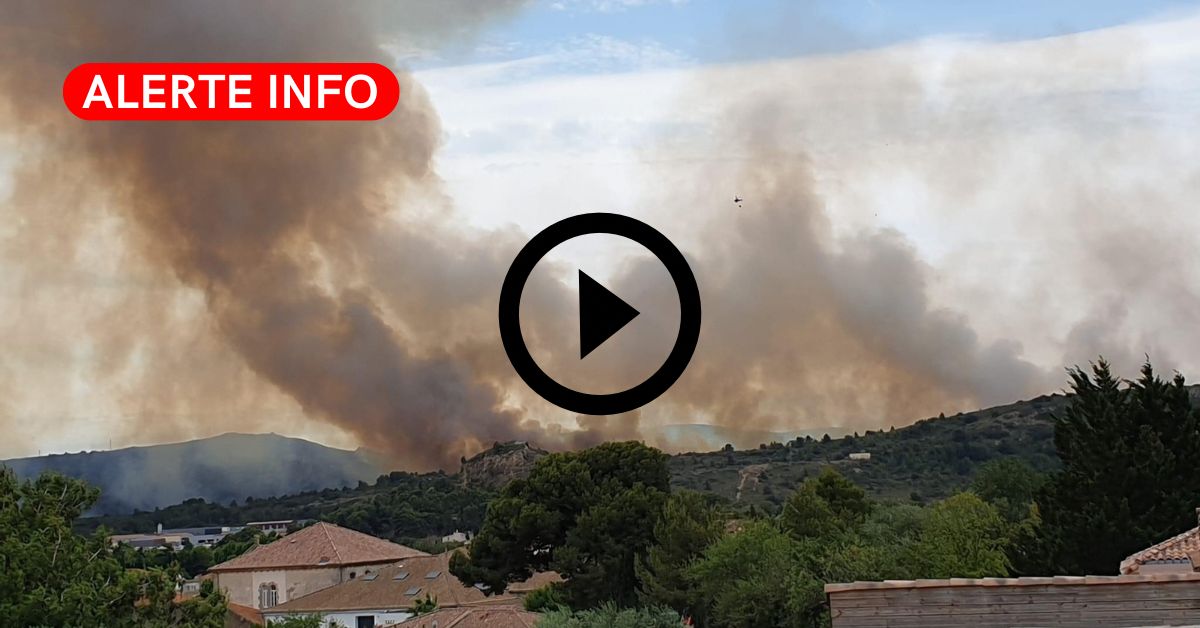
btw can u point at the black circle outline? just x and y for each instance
(510, 314)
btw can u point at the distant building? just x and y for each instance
(457, 537)
(275, 527)
(383, 598)
(176, 538)
(1178, 554)
(860, 455)
(315, 558)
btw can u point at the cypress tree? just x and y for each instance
(1131, 471)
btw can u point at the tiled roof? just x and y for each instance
(319, 545)
(245, 615)
(399, 586)
(487, 617)
(1011, 582)
(1177, 548)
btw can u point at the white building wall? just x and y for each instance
(383, 617)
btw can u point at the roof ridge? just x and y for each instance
(460, 618)
(329, 538)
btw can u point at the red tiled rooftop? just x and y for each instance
(402, 584)
(1177, 548)
(319, 545)
(486, 617)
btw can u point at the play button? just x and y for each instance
(601, 314)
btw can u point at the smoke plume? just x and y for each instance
(269, 222)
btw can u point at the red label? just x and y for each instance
(231, 91)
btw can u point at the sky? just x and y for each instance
(947, 204)
(666, 32)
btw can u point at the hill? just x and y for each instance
(218, 469)
(930, 459)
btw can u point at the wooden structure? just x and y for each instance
(1061, 601)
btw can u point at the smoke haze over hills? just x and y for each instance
(168, 281)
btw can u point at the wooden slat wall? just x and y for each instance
(1162, 603)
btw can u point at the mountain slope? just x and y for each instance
(218, 469)
(929, 459)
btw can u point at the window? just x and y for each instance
(433, 574)
(353, 574)
(364, 621)
(268, 595)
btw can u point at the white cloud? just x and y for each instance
(991, 158)
(606, 6)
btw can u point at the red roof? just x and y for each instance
(319, 545)
(246, 614)
(402, 584)
(488, 617)
(1178, 548)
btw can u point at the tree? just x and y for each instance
(424, 605)
(588, 515)
(825, 505)
(688, 524)
(297, 621)
(1009, 484)
(962, 537)
(610, 616)
(754, 579)
(51, 576)
(1129, 477)
(547, 598)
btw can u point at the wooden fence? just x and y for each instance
(1061, 602)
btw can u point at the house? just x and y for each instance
(384, 597)
(457, 537)
(860, 455)
(489, 617)
(317, 557)
(272, 527)
(238, 616)
(1178, 554)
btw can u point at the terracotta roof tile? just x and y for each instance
(490, 617)
(246, 614)
(401, 584)
(319, 545)
(1177, 548)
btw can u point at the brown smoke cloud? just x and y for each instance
(268, 222)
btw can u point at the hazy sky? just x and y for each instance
(986, 192)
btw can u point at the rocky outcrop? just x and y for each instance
(501, 464)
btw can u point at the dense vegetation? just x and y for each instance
(928, 460)
(402, 507)
(1127, 480)
(51, 576)
(602, 519)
